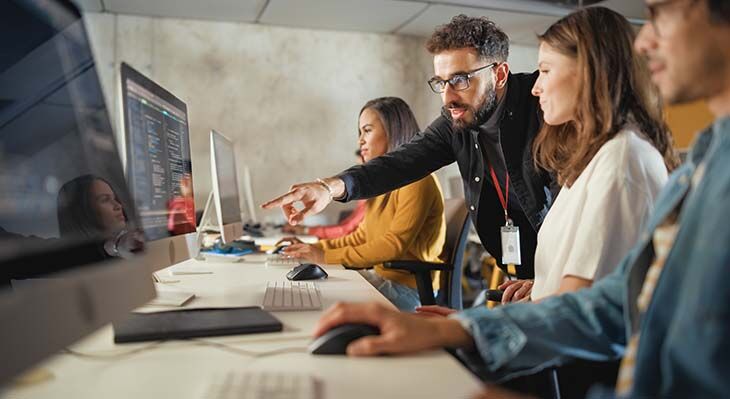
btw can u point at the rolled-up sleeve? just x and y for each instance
(520, 339)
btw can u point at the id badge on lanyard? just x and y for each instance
(510, 244)
(510, 234)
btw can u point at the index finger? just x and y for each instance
(288, 198)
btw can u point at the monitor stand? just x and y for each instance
(206, 221)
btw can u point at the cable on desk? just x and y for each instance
(238, 351)
(111, 356)
(201, 342)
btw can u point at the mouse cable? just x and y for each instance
(110, 355)
(255, 354)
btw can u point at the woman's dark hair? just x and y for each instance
(75, 210)
(615, 90)
(397, 119)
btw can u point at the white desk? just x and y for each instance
(180, 369)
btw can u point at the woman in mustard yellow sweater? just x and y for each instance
(405, 224)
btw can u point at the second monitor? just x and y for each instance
(225, 187)
(159, 169)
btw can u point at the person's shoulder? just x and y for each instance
(519, 90)
(425, 187)
(632, 145)
(630, 156)
(527, 77)
(441, 124)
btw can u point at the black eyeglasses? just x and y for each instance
(654, 12)
(458, 82)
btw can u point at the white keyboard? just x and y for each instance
(262, 385)
(292, 295)
(280, 260)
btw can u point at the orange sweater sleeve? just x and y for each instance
(413, 203)
(347, 226)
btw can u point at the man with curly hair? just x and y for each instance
(487, 125)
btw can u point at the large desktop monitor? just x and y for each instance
(67, 221)
(225, 187)
(158, 166)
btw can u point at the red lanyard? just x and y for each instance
(502, 198)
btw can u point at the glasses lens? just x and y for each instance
(460, 82)
(437, 85)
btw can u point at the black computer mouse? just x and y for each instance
(335, 341)
(278, 249)
(306, 271)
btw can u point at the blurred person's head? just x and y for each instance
(470, 68)
(685, 44)
(385, 124)
(89, 207)
(186, 181)
(591, 85)
(186, 185)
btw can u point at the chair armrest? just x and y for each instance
(422, 273)
(415, 266)
(494, 295)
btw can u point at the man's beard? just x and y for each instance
(483, 111)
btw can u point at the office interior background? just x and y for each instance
(285, 79)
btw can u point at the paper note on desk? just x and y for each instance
(170, 297)
(181, 270)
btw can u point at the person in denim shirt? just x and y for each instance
(684, 327)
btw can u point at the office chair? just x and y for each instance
(457, 229)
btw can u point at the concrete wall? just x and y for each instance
(288, 97)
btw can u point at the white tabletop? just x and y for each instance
(182, 369)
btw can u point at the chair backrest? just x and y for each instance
(457, 229)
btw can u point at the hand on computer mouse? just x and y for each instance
(294, 229)
(399, 332)
(308, 252)
(288, 241)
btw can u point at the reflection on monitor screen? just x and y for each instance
(65, 211)
(158, 156)
(61, 183)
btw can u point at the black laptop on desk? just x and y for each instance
(194, 323)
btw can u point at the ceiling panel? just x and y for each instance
(356, 15)
(632, 9)
(520, 27)
(531, 6)
(220, 10)
(89, 5)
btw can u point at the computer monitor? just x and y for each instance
(64, 206)
(158, 166)
(225, 187)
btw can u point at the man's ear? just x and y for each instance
(501, 73)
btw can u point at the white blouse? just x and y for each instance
(593, 224)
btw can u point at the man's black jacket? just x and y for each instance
(440, 145)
